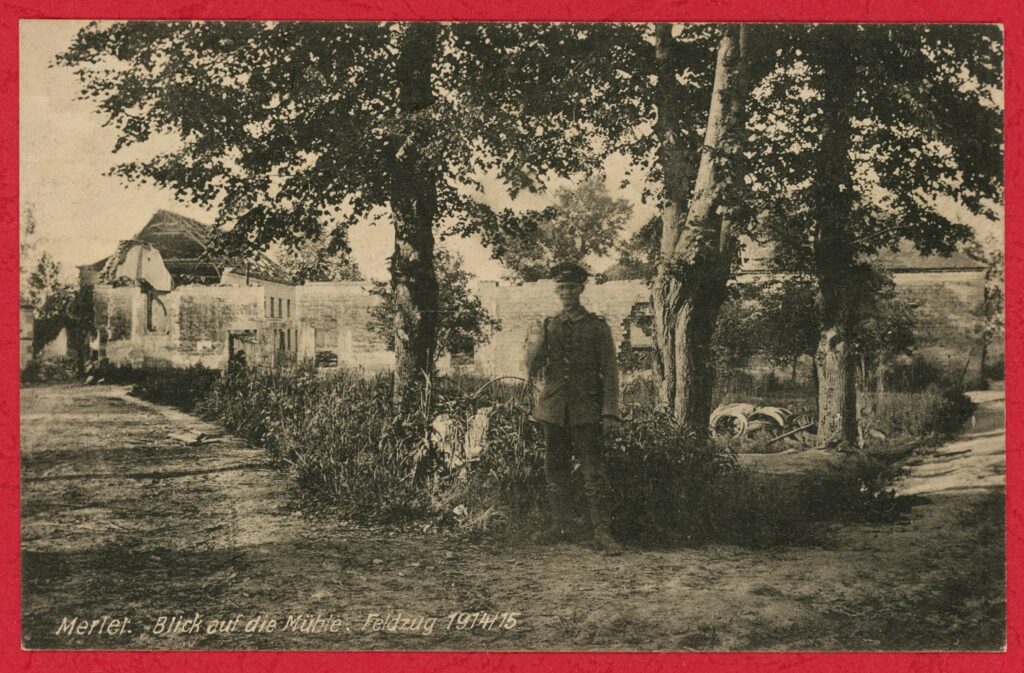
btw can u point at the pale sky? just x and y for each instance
(82, 214)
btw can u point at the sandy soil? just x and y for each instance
(120, 520)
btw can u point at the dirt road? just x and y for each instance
(125, 522)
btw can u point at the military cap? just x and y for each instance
(567, 272)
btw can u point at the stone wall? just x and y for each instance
(947, 318)
(520, 306)
(190, 325)
(328, 322)
(335, 318)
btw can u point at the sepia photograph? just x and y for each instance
(512, 336)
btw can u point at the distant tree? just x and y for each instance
(463, 322)
(884, 330)
(54, 301)
(26, 243)
(737, 331)
(638, 255)
(788, 328)
(315, 259)
(585, 220)
(990, 253)
(778, 318)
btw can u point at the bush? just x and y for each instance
(934, 414)
(181, 388)
(996, 370)
(667, 487)
(920, 374)
(341, 440)
(51, 370)
(338, 435)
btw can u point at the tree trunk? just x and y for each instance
(697, 252)
(695, 324)
(412, 191)
(983, 373)
(833, 202)
(678, 168)
(837, 394)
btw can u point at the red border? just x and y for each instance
(987, 11)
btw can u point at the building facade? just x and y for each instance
(210, 314)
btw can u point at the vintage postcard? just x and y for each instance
(653, 337)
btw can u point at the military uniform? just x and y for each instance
(572, 367)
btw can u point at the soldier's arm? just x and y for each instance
(534, 348)
(609, 374)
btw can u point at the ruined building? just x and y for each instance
(161, 301)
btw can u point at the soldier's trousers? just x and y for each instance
(562, 442)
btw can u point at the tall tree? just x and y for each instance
(856, 134)
(647, 93)
(698, 235)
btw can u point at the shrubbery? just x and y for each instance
(338, 435)
(933, 414)
(51, 370)
(341, 440)
(179, 387)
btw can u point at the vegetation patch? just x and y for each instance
(341, 439)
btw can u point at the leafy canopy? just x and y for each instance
(923, 107)
(583, 221)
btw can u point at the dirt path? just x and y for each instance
(122, 521)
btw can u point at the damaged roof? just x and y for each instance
(183, 244)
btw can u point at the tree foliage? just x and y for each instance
(318, 260)
(56, 303)
(282, 128)
(788, 328)
(638, 255)
(463, 323)
(923, 120)
(583, 221)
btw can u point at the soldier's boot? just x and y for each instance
(604, 541)
(557, 529)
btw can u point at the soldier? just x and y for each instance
(571, 362)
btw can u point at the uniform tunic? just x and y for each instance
(572, 364)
